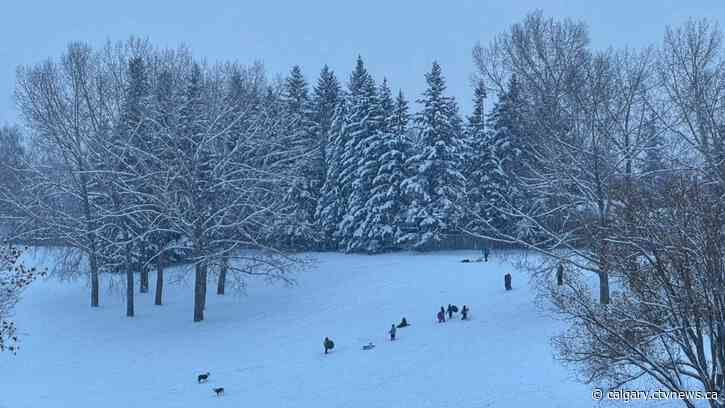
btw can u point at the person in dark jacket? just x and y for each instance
(403, 323)
(451, 309)
(507, 281)
(392, 332)
(329, 344)
(464, 313)
(485, 254)
(441, 315)
(560, 274)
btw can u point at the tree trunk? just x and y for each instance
(144, 285)
(604, 273)
(604, 287)
(94, 280)
(129, 284)
(200, 292)
(204, 284)
(159, 280)
(221, 285)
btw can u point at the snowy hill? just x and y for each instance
(265, 347)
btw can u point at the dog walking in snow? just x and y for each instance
(219, 391)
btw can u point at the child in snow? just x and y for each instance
(403, 323)
(451, 309)
(329, 344)
(441, 316)
(464, 313)
(392, 332)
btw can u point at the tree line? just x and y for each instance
(619, 178)
(136, 158)
(608, 162)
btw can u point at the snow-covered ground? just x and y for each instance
(265, 347)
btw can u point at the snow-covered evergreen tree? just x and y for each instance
(481, 164)
(333, 202)
(325, 98)
(297, 230)
(436, 185)
(360, 157)
(401, 116)
(507, 161)
(383, 220)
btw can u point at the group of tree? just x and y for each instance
(142, 158)
(385, 179)
(609, 162)
(618, 174)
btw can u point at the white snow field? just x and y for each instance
(265, 346)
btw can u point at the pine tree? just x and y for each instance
(325, 99)
(349, 138)
(481, 164)
(400, 127)
(386, 106)
(333, 202)
(436, 185)
(384, 207)
(401, 117)
(360, 158)
(507, 161)
(298, 228)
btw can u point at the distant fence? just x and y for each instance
(456, 241)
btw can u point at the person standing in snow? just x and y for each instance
(392, 332)
(329, 344)
(485, 254)
(441, 315)
(451, 309)
(560, 274)
(464, 313)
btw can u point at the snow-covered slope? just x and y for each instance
(265, 347)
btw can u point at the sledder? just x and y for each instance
(441, 315)
(452, 309)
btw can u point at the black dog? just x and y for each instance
(219, 391)
(202, 378)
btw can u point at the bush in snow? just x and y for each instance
(14, 277)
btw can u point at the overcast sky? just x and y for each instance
(397, 38)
